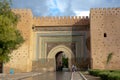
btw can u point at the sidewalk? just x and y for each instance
(18, 76)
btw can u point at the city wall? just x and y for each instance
(22, 58)
(104, 33)
(105, 37)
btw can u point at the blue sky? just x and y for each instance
(63, 7)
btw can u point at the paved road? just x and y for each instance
(52, 76)
(43, 76)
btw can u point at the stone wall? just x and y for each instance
(21, 58)
(105, 37)
(45, 41)
(104, 31)
(24, 58)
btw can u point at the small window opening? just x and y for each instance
(32, 27)
(105, 35)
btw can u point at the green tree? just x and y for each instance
(64, 61)
(10, 37)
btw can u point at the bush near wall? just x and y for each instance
(106, 74)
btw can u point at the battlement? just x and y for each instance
(62, 17)
(101, 12)
(61, 20)
(21, 10)
(104, 10)
(52, 20)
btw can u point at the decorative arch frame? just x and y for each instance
(68, 52)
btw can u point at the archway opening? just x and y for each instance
(61, 50)
(58, 58)
(1, 67)
(61, 61)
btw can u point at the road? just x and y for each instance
(52, 76)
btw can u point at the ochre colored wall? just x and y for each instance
(105, 21)
(101, 21)
(61, 21)
(21, 58)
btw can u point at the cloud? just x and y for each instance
(39, 7)
(60, 8)
(63, 7)
(63, 4)
(82, 13)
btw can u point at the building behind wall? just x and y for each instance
(43, 35)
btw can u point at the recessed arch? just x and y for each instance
(68, 52)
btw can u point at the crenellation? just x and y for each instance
(22, 10)
(62, 20)
(83, 17)
(104, 9)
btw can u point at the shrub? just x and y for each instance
(117, 71)
(114, 76)
(106, 74)
(94, 72)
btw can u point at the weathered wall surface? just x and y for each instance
(21, 58)
(57, 30)
(46, 39)
(24, 57)
(104, 29)
(105, 37)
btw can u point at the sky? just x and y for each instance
(63, 7)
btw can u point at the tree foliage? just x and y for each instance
(65, 61)
(10, 37)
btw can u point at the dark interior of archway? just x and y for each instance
(1, 67)
(60, 52)
(58, 58)
(61, 61)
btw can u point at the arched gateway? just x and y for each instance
(47, 36)
(49, 41)
(67, 52)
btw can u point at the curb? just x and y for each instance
(82, 76)
(72, 76)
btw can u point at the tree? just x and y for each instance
(64, 61)
(10, 37)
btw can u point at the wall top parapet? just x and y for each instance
(61, 20)
(62, 17)
(104, 11)
(21, 9)
(53, 20)
(99, 9)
